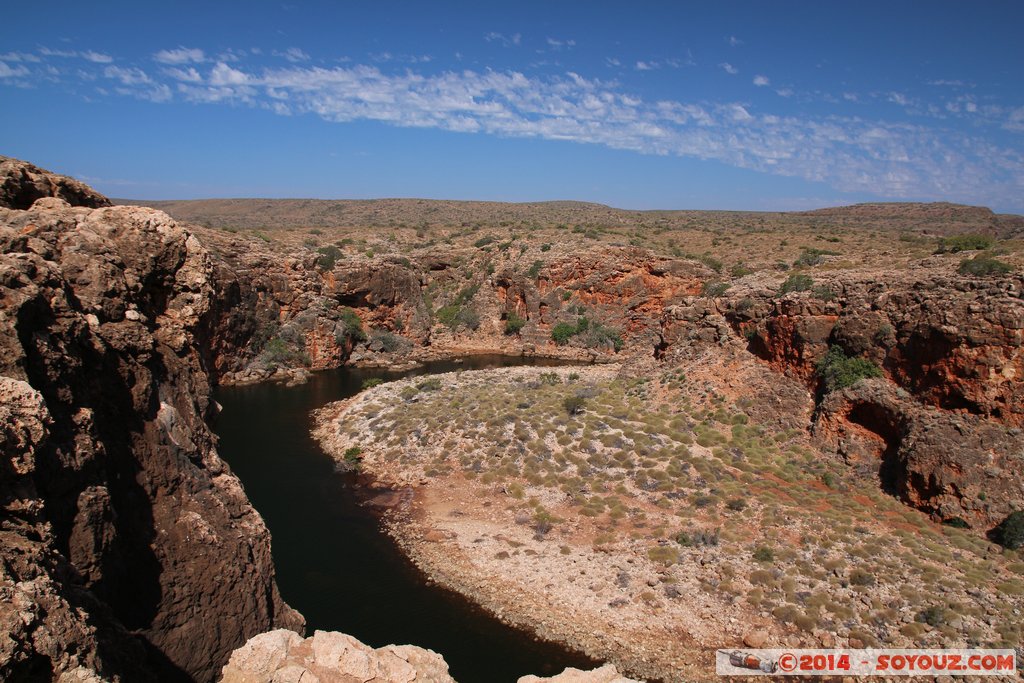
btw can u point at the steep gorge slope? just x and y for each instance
(129, 548)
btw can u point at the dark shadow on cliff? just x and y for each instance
(75, 376)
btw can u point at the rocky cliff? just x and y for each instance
(129, 548)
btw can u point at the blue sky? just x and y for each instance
(736, 105)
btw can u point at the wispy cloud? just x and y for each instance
(848, 153)
(12, 72)
(19, 57)
(734, 41)
(761, 81)
(556, 44)
(507, 41)
(729, 68)
(645, 66)
(293, 54)
(181, 55)
(97, 57)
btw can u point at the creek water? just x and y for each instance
(334, 562)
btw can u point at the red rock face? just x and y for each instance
(952, 346)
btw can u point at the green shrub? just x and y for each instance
(599, 336)
(663, 554)
(861, 577)
(388, 341)
(838, 371)
(352, 326)
(983, 264)
(933, 616)
(353, 455)
(714, 289)
(371, 382)
(328, 256)
(1010, 532)
(563, 332)
(574, 405)
(797, 282)
(483, 241)
(277, 351)
(513, 323)
(736, 504)
(535, 269)
(764, 554)
(711, 262)
(823, 292)
(545, 247)
(739, 270)
(432, 384)
(812, 257)
(708, 537)
(966, 242)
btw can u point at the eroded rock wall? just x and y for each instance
(130, 548)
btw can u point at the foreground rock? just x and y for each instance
(128, 548)
(331, 657)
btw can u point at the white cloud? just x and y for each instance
(189, 75)
(293, 54)
(850, 154)
(559, 44)
(899, 98)
(784, 92)
(1015, 121)
(645, 66)
(514, 39)
(851, 97)
(8, 72)
(97, 57)
(181, 55)
(611, 61)
(129, 76)
(734, 41)
(47, 52)
(729, 68)
(19, 57)
(761, 81)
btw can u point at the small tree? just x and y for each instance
(574, 405)
(838, 371)
(1010, 532)
(514, 323)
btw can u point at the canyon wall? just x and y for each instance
(129, 549)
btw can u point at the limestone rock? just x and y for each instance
(22, 184)
(330, 657)
(605, 674)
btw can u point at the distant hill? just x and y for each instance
(939, 218)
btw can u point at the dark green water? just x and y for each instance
(334, 563)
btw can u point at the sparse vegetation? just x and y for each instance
(982, 265)
(797, 282)
(514, 323)
(838, 371)
(965, 242)
(1010, 532)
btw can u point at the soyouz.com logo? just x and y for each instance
(869, 662)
